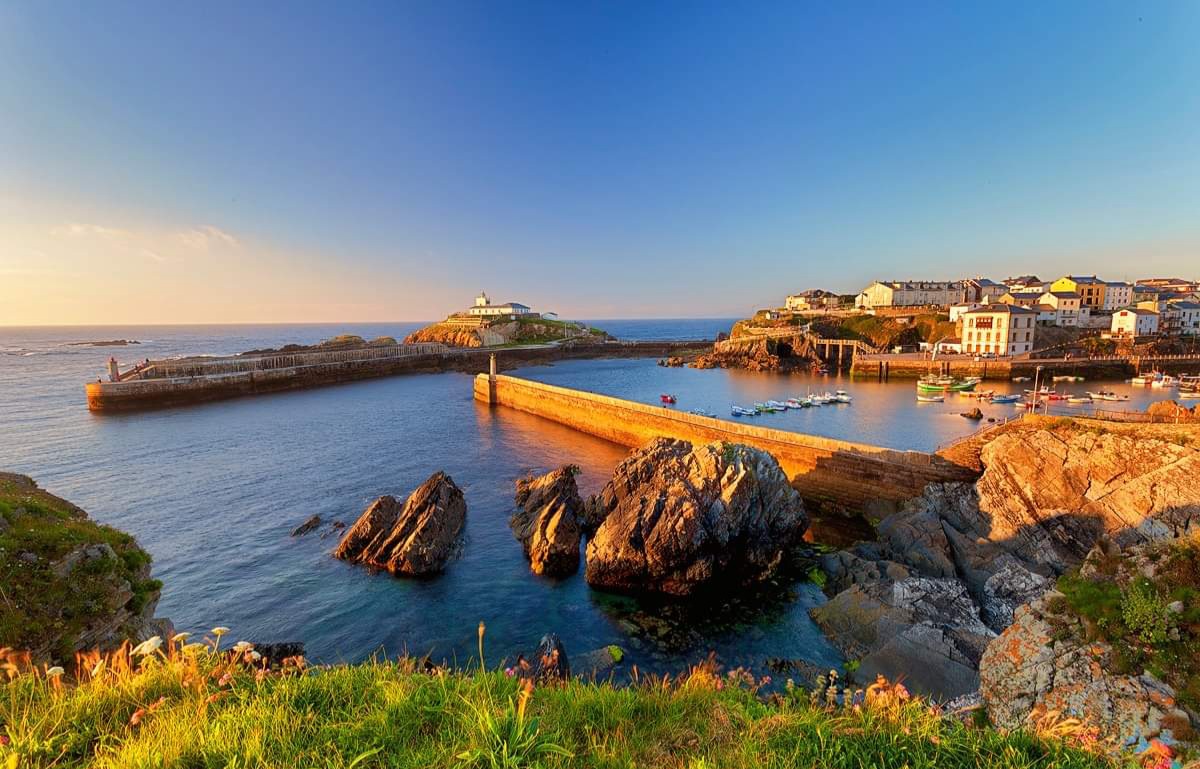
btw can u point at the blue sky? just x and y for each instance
(356, 161)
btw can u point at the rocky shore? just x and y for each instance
(512, 332)
(934, 597)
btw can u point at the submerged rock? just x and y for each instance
(310, 523)
(413, 539)
(547, 522)
(677, 516)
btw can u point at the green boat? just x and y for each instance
(943, 384)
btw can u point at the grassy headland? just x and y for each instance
(61, 573)
(182, 705)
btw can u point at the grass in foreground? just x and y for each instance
(183, 705)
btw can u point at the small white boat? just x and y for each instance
(701, 413)
(777, 405)
(817, 400)
(841, 396)
(923, 398)
(739, 411)
(1106, 395)
(1022, 379)
(1079, 399)
(1013, 398)
(1067, 378)
(1165, 380)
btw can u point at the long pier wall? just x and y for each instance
(822, 469)
(242, 376)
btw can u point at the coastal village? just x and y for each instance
(1003, 319)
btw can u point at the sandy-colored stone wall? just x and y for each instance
(841, 472)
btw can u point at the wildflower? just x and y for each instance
(149, 646)
(510, 671)
(3, 740)
(193, 648)
(54, 672)
(180, 637)
(256, 656)
(241, 647)
(219, 631)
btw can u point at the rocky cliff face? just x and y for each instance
(69, 584)
(444, 333)
(1045, 498)
(763, 355)
(413, 539)
(1111, 647)
(677, 515)
(547, 522)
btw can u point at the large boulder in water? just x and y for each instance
(547, 522)
(676, 517)
(413, 539)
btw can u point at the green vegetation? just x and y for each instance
(817, 577)
(37, 532)
(885, 332)
(1152, 623)
(183, 705)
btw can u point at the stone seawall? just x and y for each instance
(846, 474)
(907, 367)
(141, 394)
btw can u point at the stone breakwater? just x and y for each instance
(207, 381)
(821, 469)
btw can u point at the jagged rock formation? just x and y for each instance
(1046, 496)
(547, 523)
(1054, 658)
(69, 584)
(763, 355)
(677, 515)
(447, 334)
(413, 539)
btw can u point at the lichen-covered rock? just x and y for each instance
(677, 517)
(69, 584)
(547, 521)
(413, 539)
(1052, 658)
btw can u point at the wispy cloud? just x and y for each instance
(157, 246)
(205, 237)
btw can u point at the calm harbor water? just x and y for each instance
(212, 491)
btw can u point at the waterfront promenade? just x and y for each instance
(912, 365)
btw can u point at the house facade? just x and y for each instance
(812, 299)
(1068, 307)
(1187, 321)
(1117, 295)
(911, 293)
(983, 290)
(1134, 321)
(999, 329)
(1091, 289)
(1022, 298)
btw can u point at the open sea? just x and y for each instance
(212, 491)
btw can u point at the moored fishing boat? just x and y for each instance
(841, 396)
(1079, 399)
(1011, 398)
(946, 384)
(1106, 395)
(930, 398)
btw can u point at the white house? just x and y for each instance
(911, 293)
(1187, 321)
(1117, 295)
(485, 309)
(812, 299)
(983, 290)
(1066, 304)
(999, 329)
(1134, 321)
(957, 310)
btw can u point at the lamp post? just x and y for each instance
(1037, 393)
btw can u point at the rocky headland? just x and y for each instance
(412, 539)
(504, 333)
(67, 583)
